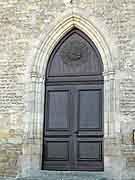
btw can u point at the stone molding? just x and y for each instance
(50, 40)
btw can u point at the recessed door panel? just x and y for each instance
(58, 104)
(57, 150)
(89, 109)
(89, 151)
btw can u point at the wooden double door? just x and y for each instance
(73, 129)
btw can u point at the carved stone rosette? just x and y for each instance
(74, 52)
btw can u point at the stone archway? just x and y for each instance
(34, 117)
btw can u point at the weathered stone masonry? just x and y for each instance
(25, 28)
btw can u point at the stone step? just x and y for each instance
(62, 175)
(7, 178)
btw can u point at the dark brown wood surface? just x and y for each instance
(73, 118)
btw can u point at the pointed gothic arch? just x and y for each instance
(50, 40)
(36, 74)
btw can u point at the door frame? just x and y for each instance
(33, 121)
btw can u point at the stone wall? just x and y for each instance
(21, 26)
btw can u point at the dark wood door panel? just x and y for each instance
(89, 149)
(89, 109)
(58, 128)
(58, 117)
(88, 137)
(57, 150)
(57, 109)
(57, 153)
(74, 141)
